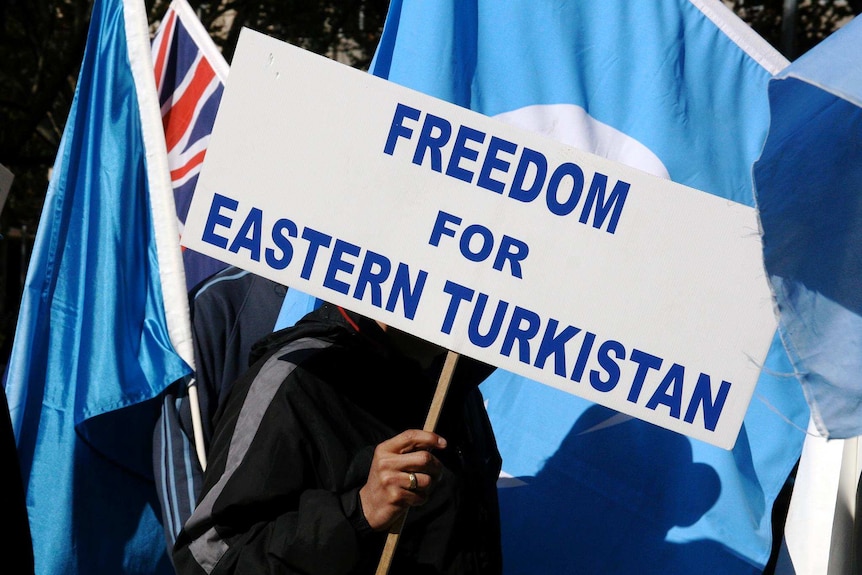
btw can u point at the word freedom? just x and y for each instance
(512, 331)
(563, 186)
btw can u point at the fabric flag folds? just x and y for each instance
(808, 182)
(103, 326)
(676, 88)
(809, 195)
(190, 75)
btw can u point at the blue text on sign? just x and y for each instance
(511, 330)
(348, 269)
(477, 243)
(488, 162)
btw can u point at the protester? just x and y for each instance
(318, 451)
(230, 311)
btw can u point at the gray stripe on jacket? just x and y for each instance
(209, 548)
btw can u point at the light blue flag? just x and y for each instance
(92, 343)
(809, 194)
(676, 88)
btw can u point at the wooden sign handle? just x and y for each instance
(430, 425)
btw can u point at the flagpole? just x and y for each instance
(430, 425)
(197, 427)
(161, 197)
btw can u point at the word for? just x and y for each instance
(477, 242)
(471, 156)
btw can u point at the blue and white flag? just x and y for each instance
(95, 338)
(676, 88)
(190, 76)
(808, 182)
(809, 194)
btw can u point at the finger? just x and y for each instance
(417, 462)
(413, 440)
(413, 479)
(417, 490)
(417, 498)
(392, 470)
(418, 482)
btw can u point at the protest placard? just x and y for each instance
(609, 283)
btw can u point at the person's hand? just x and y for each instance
(403, 473)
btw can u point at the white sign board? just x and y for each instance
(598, 279)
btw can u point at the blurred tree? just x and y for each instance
(347, 31)
(795, 26)
(41, 46)
(42, 43)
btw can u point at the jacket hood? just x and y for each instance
(331, 323)
(328, 323)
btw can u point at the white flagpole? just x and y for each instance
(171, 270)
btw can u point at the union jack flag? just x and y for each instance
(190, 75)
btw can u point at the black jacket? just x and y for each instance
(293, 446)
(230, 311)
